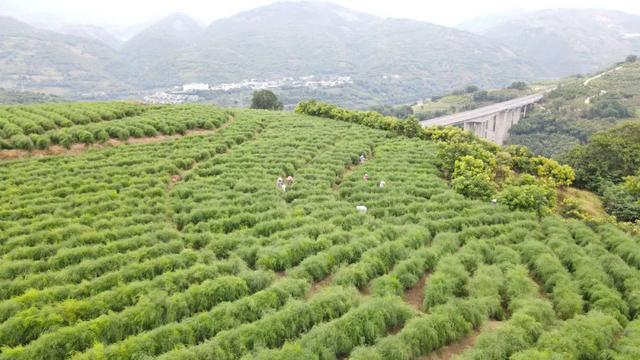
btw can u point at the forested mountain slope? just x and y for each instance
(580, 107)
(384, 60)
(390, 60)
(564, 42)
(35, 59)
(151, 55)
(25, 97)
(186, 249)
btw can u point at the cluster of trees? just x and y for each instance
(409, 127)
(484, 96)
(608, 165)
(607, 109)
(265, 100)
(603, 160)
(518, 85)
(24, 97)
(400, 111)
(584, 127)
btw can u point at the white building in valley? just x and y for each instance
(195, 87)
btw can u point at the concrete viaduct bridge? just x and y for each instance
(490, 122)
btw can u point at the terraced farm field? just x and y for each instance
(186, 249)
(29, 127)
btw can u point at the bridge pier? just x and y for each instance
(491, 122)
(496, 127)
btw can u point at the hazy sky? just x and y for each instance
(130, 12)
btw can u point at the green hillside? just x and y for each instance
(149, 54)
(589, 122)
(389, 60)
(184, 248)
(46, 61)
(580, 107)
(26, 97)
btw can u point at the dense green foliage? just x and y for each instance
(25, 97)
(578, 108)
(527, 193)
(607, 164)
(400, 111)
(187, 249)
(586, 123)
(40, 126)
(265, 100)
(610, 156)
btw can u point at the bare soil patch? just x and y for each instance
(415, 295)
(319, 285)
(366, 291)
(459, 347)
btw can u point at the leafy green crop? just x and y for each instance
(188, 249)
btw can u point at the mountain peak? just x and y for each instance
(308, 11)
(177, 29)
(178, 23)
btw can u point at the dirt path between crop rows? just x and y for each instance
(76, 149)
(348, 171)
(415, 295)
(319, 286)
(460, 346)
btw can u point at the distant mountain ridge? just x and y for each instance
(388, 60)
(91, 32)
(563, 42)
(43, 60)
(148, 53)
